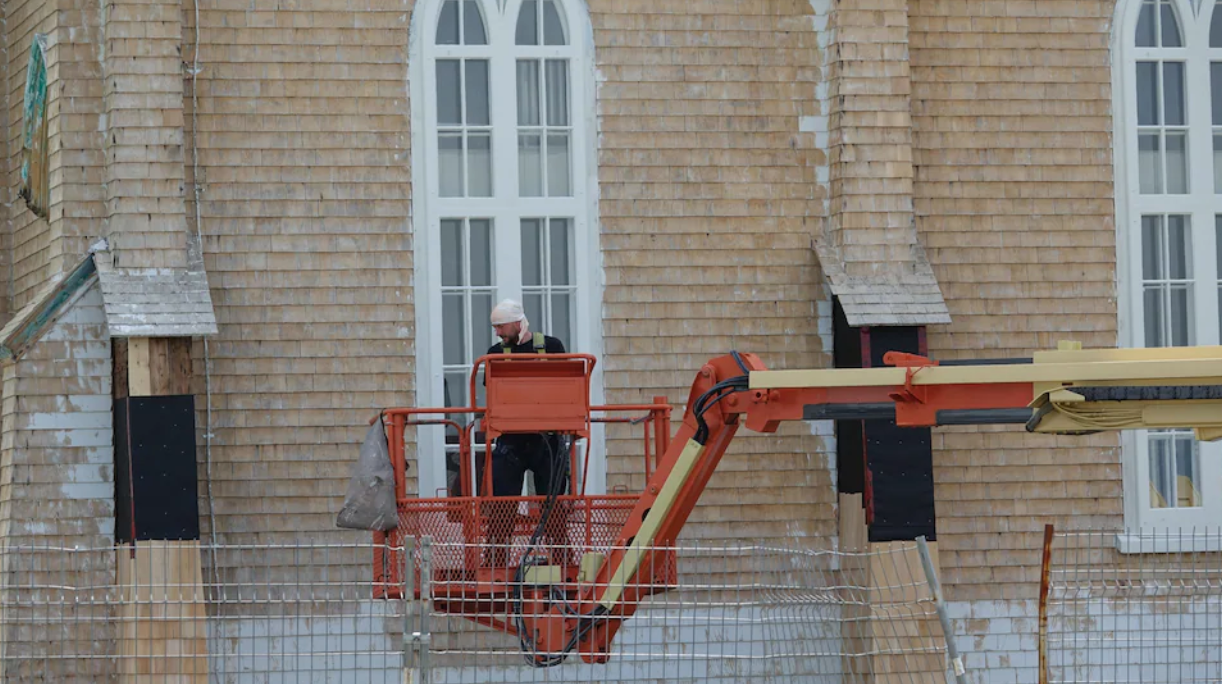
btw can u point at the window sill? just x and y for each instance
(1188, 542)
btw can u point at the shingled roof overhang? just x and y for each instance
(160, 303)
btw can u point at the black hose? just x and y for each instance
(715, 394)
(586, 623)
(739, 360)
(559, 476)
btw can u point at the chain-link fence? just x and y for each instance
(186, 612)
(1131, 608)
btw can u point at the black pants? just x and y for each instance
(548, 460)
(543, 455)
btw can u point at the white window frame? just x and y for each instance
(504, 207)
(1201, 205)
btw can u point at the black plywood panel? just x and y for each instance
(900, 459)
(156, 492)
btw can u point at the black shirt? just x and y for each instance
(551, 345)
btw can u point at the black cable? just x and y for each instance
(702, 429)
(698, 407)
(586, 623)
(739, 360)
(559, 476)
(715, 394)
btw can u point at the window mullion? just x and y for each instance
(460, 52)
(555, 207)
(468, 334)
(1202, 201)
(1205, 278)
(1164, 293)
(545, 52)
(508, 267)
(432, 151)
(509, 255)
(503, 118)
(545, 266)
(541, 130)
(1200, 126)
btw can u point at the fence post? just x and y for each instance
(409, 600)
(931, 576)
(426, 605)
(1045, 576)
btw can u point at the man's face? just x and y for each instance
(508, 332)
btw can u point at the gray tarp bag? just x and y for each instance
(370, 504)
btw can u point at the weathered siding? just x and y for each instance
(57, 490)
(303, 152)
(708, 205)
(143, 147)
(871, 175)
(303, 147)
(27, 238)
(56, 452)
(1013, 199)
(77, 162)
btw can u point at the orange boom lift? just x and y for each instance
(488, 548)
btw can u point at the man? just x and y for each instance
(510, 323)
(514, 454)
(545, 455)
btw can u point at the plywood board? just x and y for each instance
(854, 627)
(170, 365)
(902, 627)
(163, 613)
(139, 372)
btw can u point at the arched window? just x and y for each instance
(1168, 136)
(35, 186)
(503, 186)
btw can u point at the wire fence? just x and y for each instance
(733, 614)
(1131, 607)
(186, 612)
(189, 612)
(1121, 608)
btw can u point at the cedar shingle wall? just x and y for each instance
(143, 146)
(57, 488)
(1013, 200)
(27, 238)
(37, 248)
(871, 141)
(56, 455)
(303, 134)
(708, 201)
(77, 161)
(708, 204)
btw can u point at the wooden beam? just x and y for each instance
(118, 347)
(139, 374)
